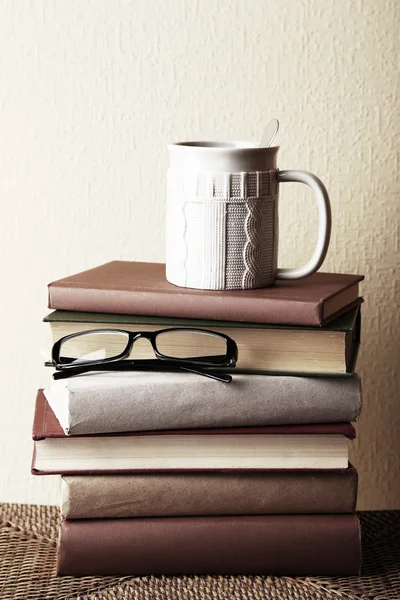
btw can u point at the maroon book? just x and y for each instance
(306, 545)
(138, 288)
(84, 454)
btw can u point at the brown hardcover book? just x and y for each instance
(138, 288)
(306, 545)
(188, 494)
(234, 448)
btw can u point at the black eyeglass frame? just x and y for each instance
(162, 361)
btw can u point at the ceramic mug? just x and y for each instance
(222, 216)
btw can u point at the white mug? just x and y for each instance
(222, 216)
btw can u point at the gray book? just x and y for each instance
(145, 401)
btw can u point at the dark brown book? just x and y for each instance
(234, 448)
(306, 545)
(138, 288)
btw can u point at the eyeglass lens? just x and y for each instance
(93, 346)
(186, 344)
(182, 344)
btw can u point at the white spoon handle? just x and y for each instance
(269, 133)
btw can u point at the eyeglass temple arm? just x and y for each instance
(64, 374)
(207, 359)
(224, 377)
(66, 360)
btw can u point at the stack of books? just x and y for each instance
(172, 472)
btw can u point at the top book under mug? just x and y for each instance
(222, 216)
(138, 288)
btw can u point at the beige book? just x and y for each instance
(191, 451)
(268, 348)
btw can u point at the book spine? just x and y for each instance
(159, 401)
(305, 545)
(184, 306)
(158, 495)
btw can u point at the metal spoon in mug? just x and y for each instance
(269, 133)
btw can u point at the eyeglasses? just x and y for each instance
(194, 350)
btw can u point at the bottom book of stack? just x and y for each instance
(186, 523)
(256, 500)
(239, 544)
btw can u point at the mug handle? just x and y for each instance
(325, 223)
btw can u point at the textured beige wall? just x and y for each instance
(91, 93)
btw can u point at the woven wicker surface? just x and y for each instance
(28, 555)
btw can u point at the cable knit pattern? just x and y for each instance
(222, 229)
(253, 245)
